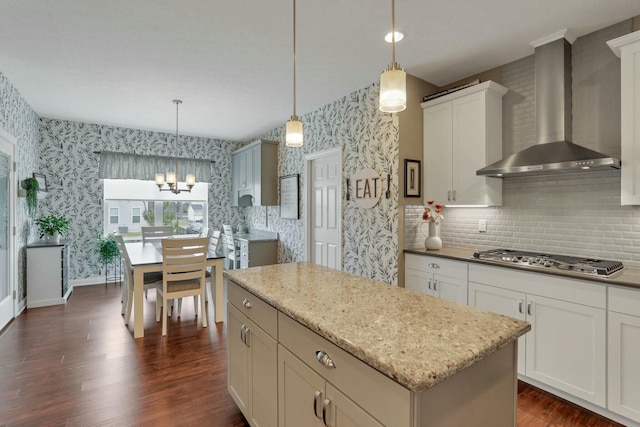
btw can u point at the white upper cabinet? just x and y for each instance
(463, 133)
(255, 174)
(628, 49)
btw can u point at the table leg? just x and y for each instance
(138, 296)
(219, 291)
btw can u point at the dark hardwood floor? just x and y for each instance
(78, 365)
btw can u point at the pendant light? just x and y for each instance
(393, 81)
(293, 134)
(172, 177)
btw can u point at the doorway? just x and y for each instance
(323, 206)
(7, 218)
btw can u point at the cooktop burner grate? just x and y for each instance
(599, 267)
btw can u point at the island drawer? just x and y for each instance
(383, 398)
(253, 307)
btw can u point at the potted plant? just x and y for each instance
(108, 249)
(31, 187)
(52, 227)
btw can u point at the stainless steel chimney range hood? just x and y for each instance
(554, 153)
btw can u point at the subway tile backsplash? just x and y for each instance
(572, 214)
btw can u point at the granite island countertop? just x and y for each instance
(629, 276)
(415, 339)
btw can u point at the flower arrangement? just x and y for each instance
(435, 215)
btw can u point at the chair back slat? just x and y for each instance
(154, 233)
(214, 243)
(184, 259)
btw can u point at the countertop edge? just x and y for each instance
(629, 277)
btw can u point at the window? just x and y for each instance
(114, 215)
(135, 215)
(186, 212)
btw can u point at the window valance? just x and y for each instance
(135, 166)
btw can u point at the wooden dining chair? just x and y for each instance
(233, 252)
(150, 280)
(155, 233)
(184, 264)
(204, 232)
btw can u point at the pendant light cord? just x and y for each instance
(393, 34)
(178, 102)
(294, 59)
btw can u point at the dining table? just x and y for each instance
(147, 258)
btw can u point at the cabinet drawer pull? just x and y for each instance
(242, 333)
(325, 405)
(529, 308)
(429, 284)
(435, 284)
(433, 265)
(247, 336)
(520, 307)
(324, 359)
(246, 303)
(449, 195)
(454, 195)
(316, 396)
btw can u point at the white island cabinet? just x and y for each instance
(252, 363)
(349, 354)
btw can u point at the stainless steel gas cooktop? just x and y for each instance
(587, 266)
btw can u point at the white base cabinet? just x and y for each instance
(252, 357)
(624, 349)
(437, 277)
(566, 347)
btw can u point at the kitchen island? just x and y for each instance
(310, 345)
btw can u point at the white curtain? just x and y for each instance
(133, 166)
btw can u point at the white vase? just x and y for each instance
(55, 238)
(433, 242)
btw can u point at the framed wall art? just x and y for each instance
(412, 178)
(289, 196)
(42, 181)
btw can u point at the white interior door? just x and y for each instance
(324, 212)
(7, 201)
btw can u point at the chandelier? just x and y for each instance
(393, 82)
(172, 177)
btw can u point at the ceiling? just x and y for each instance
(122, 62)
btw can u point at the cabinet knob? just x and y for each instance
(246, 303)
(324, 359)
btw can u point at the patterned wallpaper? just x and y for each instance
(369, 139)
(18, 119)
(70, 163)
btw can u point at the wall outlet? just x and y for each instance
(482, 225)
